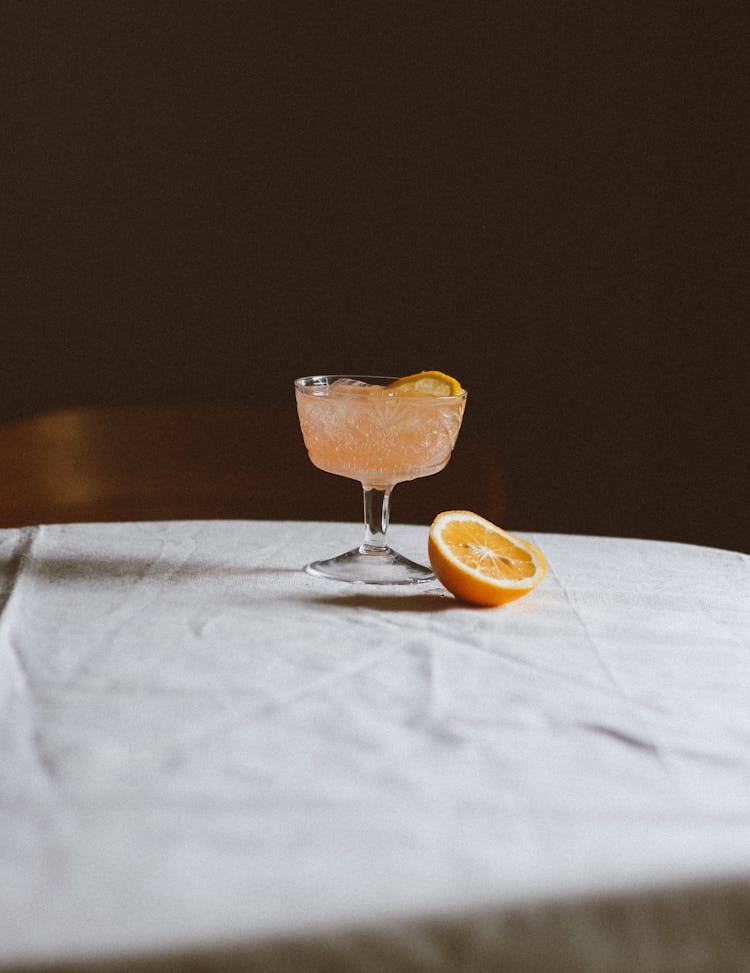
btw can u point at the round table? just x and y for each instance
(210, 759)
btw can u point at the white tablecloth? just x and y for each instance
(212, 760)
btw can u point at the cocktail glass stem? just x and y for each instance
(377, 514)
(373, 562)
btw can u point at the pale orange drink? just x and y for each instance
(379, 431)
(377, 436)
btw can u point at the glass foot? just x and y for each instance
(363, 566)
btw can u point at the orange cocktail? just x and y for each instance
(377, 436)
(379, 431)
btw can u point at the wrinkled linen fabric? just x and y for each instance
(210, 759)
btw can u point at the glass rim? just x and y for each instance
(309, 383)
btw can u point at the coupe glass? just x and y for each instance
(354, 426)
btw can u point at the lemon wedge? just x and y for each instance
(426, 383)
(481, 563)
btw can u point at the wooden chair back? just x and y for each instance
(120, 463)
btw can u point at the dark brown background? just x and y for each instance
(204, 200)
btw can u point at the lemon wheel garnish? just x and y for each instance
(426, 383)
(481, 563)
